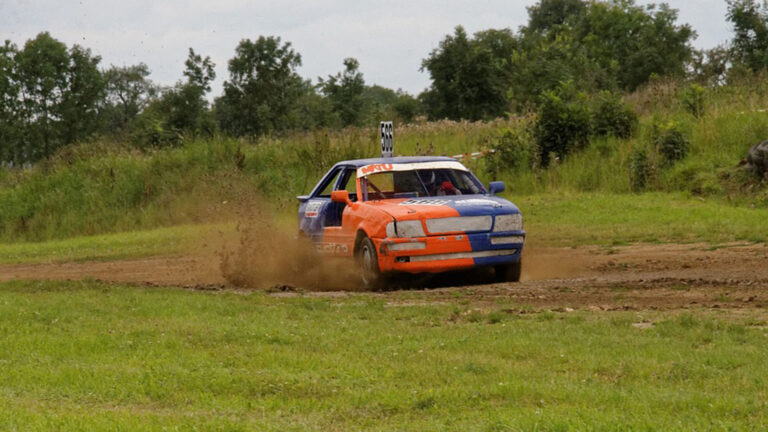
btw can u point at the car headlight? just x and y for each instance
(510, 222)
(411, 228)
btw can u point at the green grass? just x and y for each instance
(111, 189)
(101, 188)
(87, 356)
(134, 244)
(596, 218)
(98, 188)
(550, 219)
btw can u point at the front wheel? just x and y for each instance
(509, 272)
(369, 264)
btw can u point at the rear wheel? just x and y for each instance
(369, 264)
(509, 272)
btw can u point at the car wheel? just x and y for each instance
(509, 272)
(369, 264)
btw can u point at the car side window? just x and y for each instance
(330, 183)
(349, 183)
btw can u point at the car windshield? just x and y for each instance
(420, 183)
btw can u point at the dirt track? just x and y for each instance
(636, 277)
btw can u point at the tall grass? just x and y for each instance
(106, 187)
(97, 188)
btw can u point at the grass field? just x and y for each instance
(551, 219)
(108, 187)
(133, 244)
(88, 356)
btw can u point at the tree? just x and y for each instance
(543, 62)
(635, 42)
(181, 109)
(599, 45)
(710, 67)
(185, 106)
(469, 75)
(128, 92)
(345, 92)
(547, 14)
(50, 97)
(9, 105)
(750, 25)
(41, 68)
(314, 110)
(406, 107)
(82, 100)
(264, 92)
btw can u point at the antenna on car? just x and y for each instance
(387, 139)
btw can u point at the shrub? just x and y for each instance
(563, 122)
(612, 117)
(513, 151)
(640, 170)
(670, 142)
(692, 98)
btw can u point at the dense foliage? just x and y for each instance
(599, 45)
(469, 75)
(570, 69)
(49, 97)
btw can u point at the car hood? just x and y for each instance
(444, 206)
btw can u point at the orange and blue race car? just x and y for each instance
(412, 215)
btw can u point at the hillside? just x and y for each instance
(108, 186)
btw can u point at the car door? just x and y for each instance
(313, 211)
(338, 238)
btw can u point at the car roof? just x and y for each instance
(357, 163)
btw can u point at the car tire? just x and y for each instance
(368, 260)
(509, 272)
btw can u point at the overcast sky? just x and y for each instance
(389, 38)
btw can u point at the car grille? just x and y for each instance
(459, 224)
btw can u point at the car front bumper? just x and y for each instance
(435, 254)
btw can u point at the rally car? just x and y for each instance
(413, 215)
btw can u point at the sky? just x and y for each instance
(389, 38)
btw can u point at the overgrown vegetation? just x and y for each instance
(168, 159)
(52, 95)
(105, 187)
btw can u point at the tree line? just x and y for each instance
(52, 95)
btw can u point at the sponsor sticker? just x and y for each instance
(312, 209)
(476, 202)
(425, 202)
(370, 169)
(332, 248)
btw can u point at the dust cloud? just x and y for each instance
(262, 254)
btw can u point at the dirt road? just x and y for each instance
(637, 277)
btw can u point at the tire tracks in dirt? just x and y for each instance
(636, 277)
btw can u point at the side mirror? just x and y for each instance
(496, 187)
(340, 196)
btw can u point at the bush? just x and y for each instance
(640, 170)
(513, 151)
(692, 98)
(563, 122)
(670, 142)
(695, 176)
(612, 117)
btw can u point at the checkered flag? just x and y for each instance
(387, 139)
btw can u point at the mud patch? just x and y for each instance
(639, 277)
